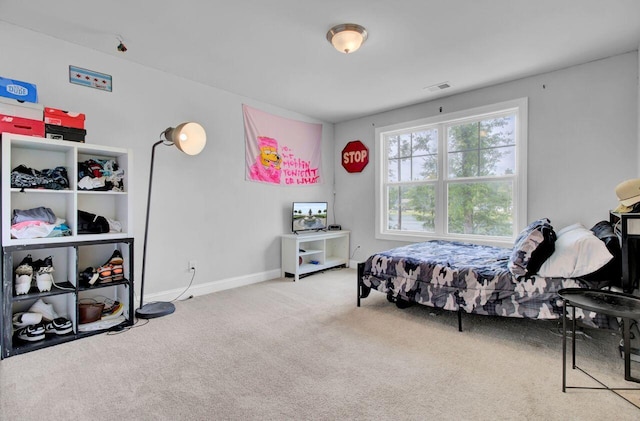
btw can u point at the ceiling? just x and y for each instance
(275, 51)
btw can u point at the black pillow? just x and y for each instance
(612, 271)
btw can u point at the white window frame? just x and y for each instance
(517, 106)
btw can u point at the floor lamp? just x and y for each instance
(190, 138)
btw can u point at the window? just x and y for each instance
(455, 176)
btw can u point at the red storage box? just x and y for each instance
(18, 125)
(63, 118)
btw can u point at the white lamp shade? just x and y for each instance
(189, 137)
(347, 37)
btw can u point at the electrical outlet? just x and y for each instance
(192, 265)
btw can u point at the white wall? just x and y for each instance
(202, 207)
(583, 141)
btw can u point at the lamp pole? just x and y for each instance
(156, 309)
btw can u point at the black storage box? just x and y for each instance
(53, 131)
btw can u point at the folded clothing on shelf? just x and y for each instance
(52, 179)
(37, 222)
(40, 213)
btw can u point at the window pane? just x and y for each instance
(481, 208)
(497, 132)
(393, 208)
(405, 144)
(463, 164)
(392, 146)
(425, 142)
(498, 161)
(393, 170)
(463, 137)
(412, 208)
(405, 169)
(481, 148)
(425, 168)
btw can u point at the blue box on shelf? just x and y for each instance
(16, 89)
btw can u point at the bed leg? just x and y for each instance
(360, 272)
(459, 320)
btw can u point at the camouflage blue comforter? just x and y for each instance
(453, 275)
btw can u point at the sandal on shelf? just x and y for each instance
(117, 273)
(112, 270)
(116, 258)
(105, 273)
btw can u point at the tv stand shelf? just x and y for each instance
(313, 252)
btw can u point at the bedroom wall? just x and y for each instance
(203, 209)
(582, 141)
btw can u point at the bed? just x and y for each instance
(509, 282)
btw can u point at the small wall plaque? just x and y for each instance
(89, 78)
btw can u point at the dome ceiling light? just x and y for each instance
(347, 37)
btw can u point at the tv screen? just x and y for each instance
(309, 216)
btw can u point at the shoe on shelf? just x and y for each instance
(21, 320)
(44, 273)
(89, 277)
(31, 333)
(116, 258)
(26, 266)
(105, 273)
(47, 311)
(112, 270)
(23, 284)
(58, 326)
(24, 276)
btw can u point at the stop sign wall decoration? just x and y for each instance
(355, 156)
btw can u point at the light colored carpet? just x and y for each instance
(302, 350)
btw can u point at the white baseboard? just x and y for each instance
(215, 286)
(354, 264)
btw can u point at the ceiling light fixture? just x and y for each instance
(347, 37)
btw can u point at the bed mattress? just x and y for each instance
(474, 278)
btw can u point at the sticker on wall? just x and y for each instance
(89, 78)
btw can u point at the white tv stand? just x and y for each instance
(312, 252)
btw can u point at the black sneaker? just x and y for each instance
(88, 277)
(31, 333)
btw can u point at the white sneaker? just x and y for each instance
(23, 284)
(25, 319)
(47, 311)
(44, 281)
(31, 333)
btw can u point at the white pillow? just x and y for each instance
(569, 228)
(578, 252)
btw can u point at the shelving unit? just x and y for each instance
(313, 252)
(628, 231)
(71, 254)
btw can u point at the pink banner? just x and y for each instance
(280, 150)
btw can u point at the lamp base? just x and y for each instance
(153, 310)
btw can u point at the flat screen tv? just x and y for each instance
(309, 216)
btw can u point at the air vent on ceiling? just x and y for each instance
(438, 87)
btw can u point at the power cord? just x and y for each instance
(187, 288)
